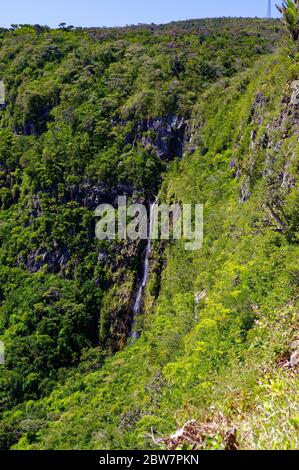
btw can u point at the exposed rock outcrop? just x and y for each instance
(56, 259)
(284, 126)
(168, 134)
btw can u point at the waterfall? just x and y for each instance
(138, 300)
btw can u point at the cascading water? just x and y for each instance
(138, 300)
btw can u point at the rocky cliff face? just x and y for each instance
(268, 145)
(167, 134)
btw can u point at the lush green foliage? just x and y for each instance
(73, 98)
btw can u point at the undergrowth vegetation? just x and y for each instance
(73, 99)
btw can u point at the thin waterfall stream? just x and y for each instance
(137, 309)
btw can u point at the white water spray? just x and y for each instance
(138, 300)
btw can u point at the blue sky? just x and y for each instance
(123, 12)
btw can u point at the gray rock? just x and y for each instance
(295, 93)
(245, 190)
(294, 360)
(102, 257)
(56, 259)
(258, 107)
(198, 297)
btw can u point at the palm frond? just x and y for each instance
(290, 16)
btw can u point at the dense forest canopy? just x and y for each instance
(196, 111)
